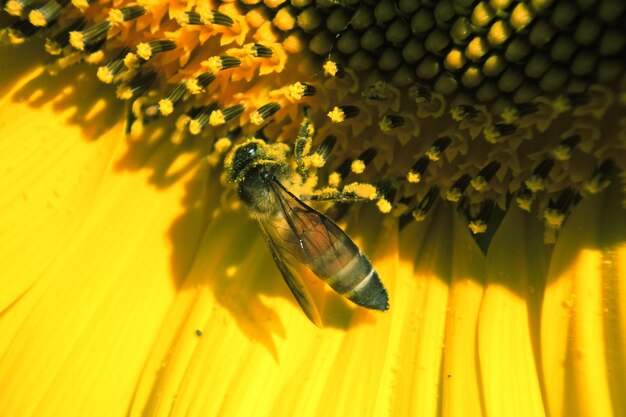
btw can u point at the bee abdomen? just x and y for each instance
(358, 281)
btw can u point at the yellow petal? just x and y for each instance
(508, 328)
(95, 237)
(583, 330)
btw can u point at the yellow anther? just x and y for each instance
(217, 118)
(454, 195)
(479, 184)
(330, 68)
(478, 226)
(192, 86)
(596, 185)
(131, 61)
(418, 215)
(116, 17)
(413, 177)
(105, 75)
(383, 205)
(195, 127)
(317, 160)
(256, 118)
(553, 218)
(524, 203)
(166, 107)
(336, 115)
(562, 153)
(433, 153)
(385, 125)
(334, 179)
(357, 166)
(124, 92)
(77, 40)
(214, 64)
(223, 144)
(144, 51)
(297, 90)
(535, 183)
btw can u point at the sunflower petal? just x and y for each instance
(584, 343)
(507, 331)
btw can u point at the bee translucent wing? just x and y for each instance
(291, 277)
(327, 250)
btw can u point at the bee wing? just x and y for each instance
(282, 256)
(327, 250)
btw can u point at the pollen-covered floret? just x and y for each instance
(501, 102)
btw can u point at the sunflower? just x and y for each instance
(490, 136)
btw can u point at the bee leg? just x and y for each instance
(303, 143)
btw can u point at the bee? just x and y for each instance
(297, 234)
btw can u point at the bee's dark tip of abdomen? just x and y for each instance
(373, 296)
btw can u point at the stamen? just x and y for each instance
(420, 93)
(389, 122)
(358, 165)
(20, 31)
(344, 169)
(132, 61)
(215, 17)
(189, 18)
(341, 113)
(318, 159)
(333, 69)
(90, 36)
(16, 7)
(219, 117)
(147, 50)
(384, 206)
(299, 90)
(424, 206)
(200, 82)
(218, 63)
(464, 111)
(166, 105)
(525, 198)
(565, 150)
(601, 177)
(479, 224)
(536, 182)
(263, 113)
(198, 118)
(375, 92)
(58, 41)
(495, 132)
(434, 152)
(107, 73)
(417, 171)
(485, 175)
(136, 87)
(47, 14)
(554, 215)
(455, 192)
(125, 14)
(262, 51)
(82, 5)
